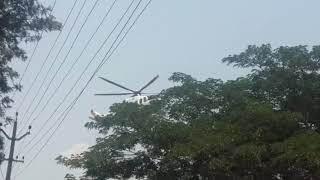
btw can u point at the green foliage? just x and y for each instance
(286, 77)
(263, 126)
(20, 21)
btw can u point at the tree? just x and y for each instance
(287, 77)
(20, 21)
(70, 177)
(239, 129)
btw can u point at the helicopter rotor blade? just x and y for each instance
(113, 94)
(116, 84)
(149, 93)
(149, 83)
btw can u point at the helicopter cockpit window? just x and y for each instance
(140, 101)
(145, 99)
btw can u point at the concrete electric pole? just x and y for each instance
(13, 140)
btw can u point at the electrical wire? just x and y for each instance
(2, 173)
(46, 59)
(53, 62)
(69, 71)
(29, 61)
(24, 72)
(73, 65)
(62, 63)
(77, 81)
(53, 45)
(74, 102)
(104, 60)
(32, 54)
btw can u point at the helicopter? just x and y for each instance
(137, 96)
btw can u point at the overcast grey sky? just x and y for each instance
(190, 36)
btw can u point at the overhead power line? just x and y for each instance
(76, 82)
(104, 60)
(53, 62)
(50, 51)
(62, 63)
(68, 73)
(32, 54)
(26, 68)
(2, 173)
(46, 59)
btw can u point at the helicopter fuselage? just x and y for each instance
(139, 99)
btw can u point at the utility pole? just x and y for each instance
(13, 140)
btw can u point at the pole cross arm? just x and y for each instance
(27, 133)
(7, 136)
(14, 160)
(19, 161)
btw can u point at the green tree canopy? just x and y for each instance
(20, 21)
(240, 129)
(287, 77)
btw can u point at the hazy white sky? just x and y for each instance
(190, 36)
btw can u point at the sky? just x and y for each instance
(172, 36)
